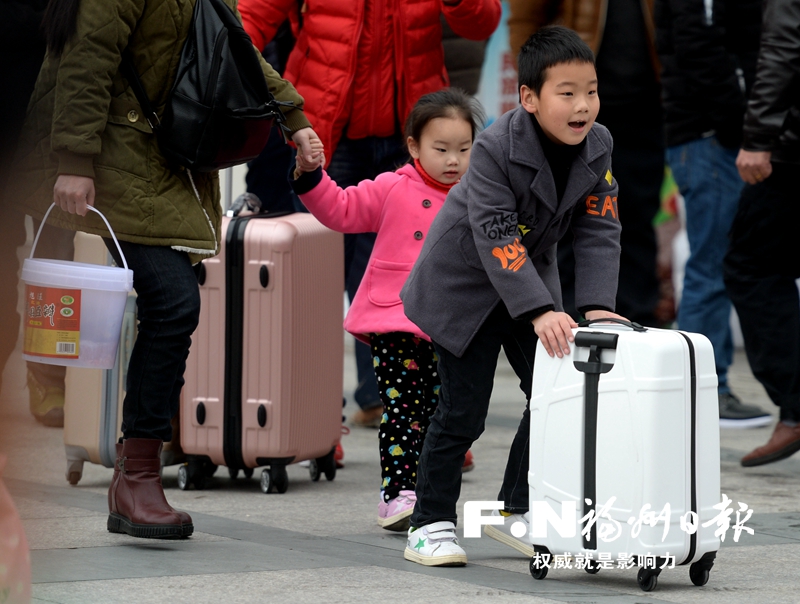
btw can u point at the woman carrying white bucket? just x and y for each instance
(86, 143)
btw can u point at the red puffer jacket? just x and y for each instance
(324, 61)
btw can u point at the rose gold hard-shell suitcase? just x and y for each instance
(264, 373)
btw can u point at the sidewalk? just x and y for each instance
(319, 542)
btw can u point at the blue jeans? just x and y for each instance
(460, 418)
(168, 308)
(710, 184)
(356, 160)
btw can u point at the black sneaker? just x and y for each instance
(735, 414)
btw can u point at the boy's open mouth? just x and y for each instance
(578, 124)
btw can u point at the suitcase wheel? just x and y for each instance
(323, 465)
(698, 574)
(276, 478)
(74, 471)
(647, 579)
(592, 567)
(183, 478)
(313, 470)
(195, 473)
(538, 570)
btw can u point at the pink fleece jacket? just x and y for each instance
(400, 208)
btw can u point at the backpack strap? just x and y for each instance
(129, 71)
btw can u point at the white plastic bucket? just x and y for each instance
(74, 310)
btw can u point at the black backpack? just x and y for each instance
(220, 110)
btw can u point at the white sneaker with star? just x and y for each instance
(435, 544)
(514, 532)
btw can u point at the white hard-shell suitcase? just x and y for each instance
(629, 419)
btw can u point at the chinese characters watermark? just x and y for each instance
(608, 529)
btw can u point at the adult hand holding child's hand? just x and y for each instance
(309, 150)
(555, 331)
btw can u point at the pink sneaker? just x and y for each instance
(394, 515)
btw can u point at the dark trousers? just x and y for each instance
(760, 269)
(461, 415)
(637, 163)
(408, 383)
(168, 308)
(356, 160)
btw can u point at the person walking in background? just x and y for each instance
(361, 65)
(23, 48)
(620, 32)
(463, 59)
(708, 55)
(763, 260)
(399, 206)
(85, 142)
(486, 277)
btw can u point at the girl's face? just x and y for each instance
(443, 148)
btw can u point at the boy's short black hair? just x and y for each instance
(549, 46)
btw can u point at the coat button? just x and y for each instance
(418, 235)
(426, 203)
(133, 116)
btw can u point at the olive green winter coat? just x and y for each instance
(83, 119)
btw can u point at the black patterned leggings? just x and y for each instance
(408, 384)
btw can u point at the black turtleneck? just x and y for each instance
(559, 157)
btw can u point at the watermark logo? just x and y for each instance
(583, 560)
(608, 528)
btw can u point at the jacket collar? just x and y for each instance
(525, 149)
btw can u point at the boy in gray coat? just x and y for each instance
(487, 276)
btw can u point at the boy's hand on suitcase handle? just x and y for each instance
(555, 331)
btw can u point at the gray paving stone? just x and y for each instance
(319, 542)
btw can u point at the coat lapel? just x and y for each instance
(582, 178)
(525, 149)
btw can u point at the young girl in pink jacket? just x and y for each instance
(400, 207)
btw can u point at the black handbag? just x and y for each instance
(219, 111)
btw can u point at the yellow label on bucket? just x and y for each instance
(52, 322)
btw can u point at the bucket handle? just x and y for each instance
(93, 209)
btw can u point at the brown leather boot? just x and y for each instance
(185, 518)
(137, 503)
(784, 442)
(116, 474)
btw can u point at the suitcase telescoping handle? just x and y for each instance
(632, 324)
(595, 341)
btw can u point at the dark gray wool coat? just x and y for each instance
(495, 238)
